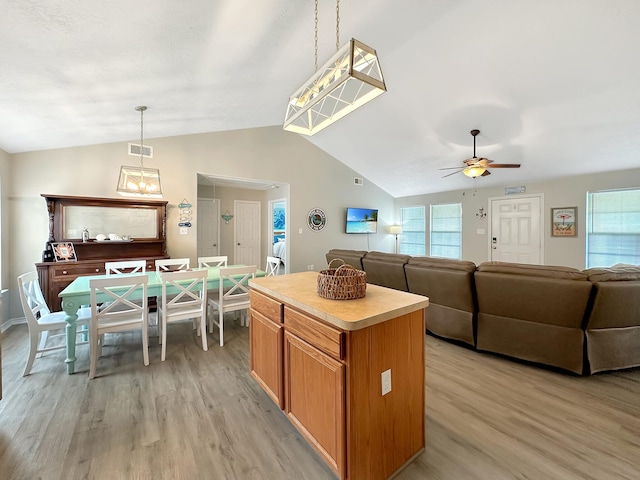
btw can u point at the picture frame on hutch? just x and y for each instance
(64, 252)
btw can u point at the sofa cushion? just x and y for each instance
(446, 282)
(548, 271)
(350, 257)
(616, 273)
(546, 294)
(446, 263)
(386, 269)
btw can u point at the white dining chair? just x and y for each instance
(210, 262)
(233, 298)
(189, 302)
(43, 324)
(172, 264)
(273, 266)
(130, 266)
(122, 313)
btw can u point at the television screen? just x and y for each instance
(362, 220)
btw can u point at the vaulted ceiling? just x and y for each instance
(551, 84)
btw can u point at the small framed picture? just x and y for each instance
(64, 252)
(564, 222)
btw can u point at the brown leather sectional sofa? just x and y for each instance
(580, 321)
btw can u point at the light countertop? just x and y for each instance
(380, 304)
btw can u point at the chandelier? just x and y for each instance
(140, 181)
(351, 78)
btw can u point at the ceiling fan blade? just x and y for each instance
(453, 173)
(452, 168)
(503, 165)
(486, 172)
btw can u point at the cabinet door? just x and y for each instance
(315, 399)
(266, 355)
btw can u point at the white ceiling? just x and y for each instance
(551, 84)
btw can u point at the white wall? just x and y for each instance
(6, 279)
(563, 192)
(315, 178)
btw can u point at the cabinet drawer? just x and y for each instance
(72, 271)
(270, 308)
(322, 336)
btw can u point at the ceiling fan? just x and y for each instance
(477, 167)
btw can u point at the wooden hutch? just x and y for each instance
(143, 220)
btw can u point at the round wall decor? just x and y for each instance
(316, 219)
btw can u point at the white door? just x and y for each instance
(247, 232)
(208, 227)
(516, 230)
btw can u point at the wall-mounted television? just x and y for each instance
(361, 220)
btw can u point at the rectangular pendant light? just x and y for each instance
(351, 78)
(139, 181)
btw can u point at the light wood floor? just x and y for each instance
(199, 415)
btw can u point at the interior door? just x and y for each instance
(247, 232)
(516, 230)
(278, 229)
(208, 227)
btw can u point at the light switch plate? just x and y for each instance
(183, 230)
(386, 382)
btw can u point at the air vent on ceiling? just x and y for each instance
(358, 181)
(134, 149)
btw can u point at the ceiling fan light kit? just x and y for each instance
(478, 167)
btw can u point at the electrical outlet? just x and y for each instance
(386, 381)
(310, 267)
(183, 230)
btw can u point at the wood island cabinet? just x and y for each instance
(92, 255)
(321, 361)
(267, 333)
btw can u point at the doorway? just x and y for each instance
(208, 227)
(278, 230)
(247, 232)
(516, 233)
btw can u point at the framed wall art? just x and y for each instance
(316, 220)
(564, 222)
(64, 252)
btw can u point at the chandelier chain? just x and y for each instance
(337, 25)
(316, 35)
(142, 109)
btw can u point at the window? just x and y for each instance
(613, 228)
(446, 230)
(413, 231)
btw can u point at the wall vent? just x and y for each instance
(134, 149)
(358, 181)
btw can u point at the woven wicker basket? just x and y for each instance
(342, 283)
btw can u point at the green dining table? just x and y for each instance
(77, 294)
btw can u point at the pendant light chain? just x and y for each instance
(142, 109)
(337, 25)
(316, 36)
(315, 31)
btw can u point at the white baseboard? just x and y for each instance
(11, 322)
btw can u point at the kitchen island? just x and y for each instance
(348, 374)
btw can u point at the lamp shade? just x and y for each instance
(474, 172)
(395, 229)
(351, 78)
(139, 181)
